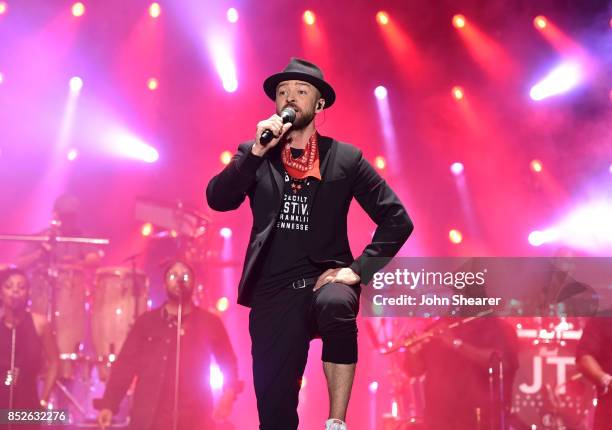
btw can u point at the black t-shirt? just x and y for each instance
(286, 258)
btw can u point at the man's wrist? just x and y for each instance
(605, 380)
(258, 150)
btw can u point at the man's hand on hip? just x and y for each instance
(344, 275)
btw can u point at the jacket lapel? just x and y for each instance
(325, 153)
(277, 169)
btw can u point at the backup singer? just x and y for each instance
(34, 342)
(149, 353)
(299, 276)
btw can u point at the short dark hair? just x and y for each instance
(171, 263)
(6, 273)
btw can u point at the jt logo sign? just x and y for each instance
(561, 364)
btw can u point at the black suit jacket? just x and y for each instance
(345, 174)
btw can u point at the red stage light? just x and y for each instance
(540, 22)
(536, 166)
(3, 7)
(455, 236)
(382, 18)
(458, 93)
(152, 84)
(226, 157)
(155, 10)
(459, 21)
(309, 17)
(380, 162)
(78, 9)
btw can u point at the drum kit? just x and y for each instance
(91, 310)
(548, 392)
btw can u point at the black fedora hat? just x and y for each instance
(301, 70)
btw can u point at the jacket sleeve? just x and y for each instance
(394, 226)
(124, 369)
(227, 190)
(224, 354)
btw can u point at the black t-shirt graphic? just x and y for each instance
(286, 259)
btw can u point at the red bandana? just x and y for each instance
(307, 164)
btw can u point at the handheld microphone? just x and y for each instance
(287, 115)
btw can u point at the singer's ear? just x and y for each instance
(320, 105)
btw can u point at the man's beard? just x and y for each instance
(182, 294)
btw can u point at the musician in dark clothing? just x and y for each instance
(149, 354)
(456, 366)
(594, 357)
(25, 341)
(64, 222)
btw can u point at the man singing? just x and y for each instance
(149, 353)
(299, 276)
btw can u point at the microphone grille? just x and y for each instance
(288, 115)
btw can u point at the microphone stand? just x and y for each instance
(13, 376)
(177, 368)
(497, 401)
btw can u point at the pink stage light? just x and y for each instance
(380, 92)
(155, 10)
(560, 80)
(225, 232)
(455, 236)
(72, 155)
(216, 377)
(382, 18)
(586, 228)
(541, 237)
(222, 304)
(129, 146)
(152, 84)
(456, 168)
(3, 7)
(459, 21)
(380, 162)
(458, 93)
(540, 22)
(1, 78)
(309, 17)
(232, 15)
(536, 166)
(224, 64)
(76, 84)
(146, 229)
(78, 9)
(226, 157)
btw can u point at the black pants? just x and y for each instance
(281, 329)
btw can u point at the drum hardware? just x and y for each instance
(427, 335)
